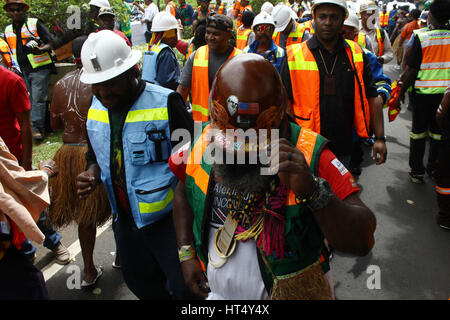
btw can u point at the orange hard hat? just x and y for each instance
(247, 93)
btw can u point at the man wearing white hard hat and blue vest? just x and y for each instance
(129, 126)
(160, 64)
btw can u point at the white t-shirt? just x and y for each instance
(150, 12)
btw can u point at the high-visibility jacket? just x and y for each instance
(200, 83)
(149, 64)
(190, 49)
(309, 26)
(29, 28)
(242, 37)
(434, 72)
(146, 149)
(305, 79)
(380, 40)
(242, 9)
(361, 39)
(302, 234)
(5, 52)
(277, 50)
(384, 19)
(293, 37)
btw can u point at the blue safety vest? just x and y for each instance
(149, 63)
(146, 150)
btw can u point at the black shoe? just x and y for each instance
(356, 171)
(416, 178)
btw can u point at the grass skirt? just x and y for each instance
(65, 205)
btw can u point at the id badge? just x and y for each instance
(329, 85)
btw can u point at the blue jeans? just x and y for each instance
(37, 85)
(149, 259)
(52, 237)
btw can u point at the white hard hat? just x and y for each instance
(105, 55)
(263, 18)
(352, 20)
(267, 7)
(281, 15)
(340, 3)
(100, 3)
(164, 21)
(368, 6)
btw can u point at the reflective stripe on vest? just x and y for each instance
(146, 148)
(361, 39)
(4, 51)
(29, 28)
(434, 73)
(242, 38)
(306, 87)
(443, 191)
(200, 83)
(293, 37)
(197, 183)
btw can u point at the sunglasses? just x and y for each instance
(264, 28)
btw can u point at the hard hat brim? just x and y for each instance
(106, 75)
(164, 29)
(283, 26)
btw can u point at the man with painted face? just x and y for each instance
(338, 73)
(129, 126)
(259, 233)
(201, 67)
(380, 40)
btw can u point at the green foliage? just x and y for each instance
(257, 4)
(50, 10)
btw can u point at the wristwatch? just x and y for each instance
(380, 138)
(324, 194)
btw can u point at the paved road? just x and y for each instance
(411, 251)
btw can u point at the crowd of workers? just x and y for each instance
(187, 227)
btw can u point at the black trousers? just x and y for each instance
(424, 126)
(443, 183)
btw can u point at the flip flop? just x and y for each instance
(99, 274)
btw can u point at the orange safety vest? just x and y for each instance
(293, 37)
(200, 83)
(308, 25)
(242, 37)
(29, 29)
(189, 50)
(305, 79)
(384, 19)
(4, 51)
(242, 9)
(380, 41)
